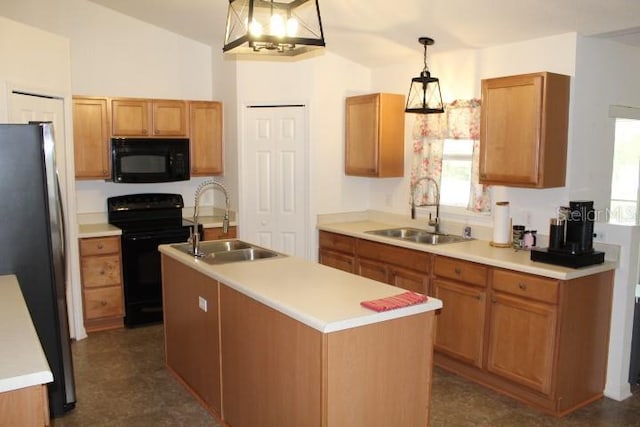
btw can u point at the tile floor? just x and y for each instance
(121, 381)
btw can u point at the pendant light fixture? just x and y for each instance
(273, 27)
(424, 93)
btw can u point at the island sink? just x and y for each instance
(417, 235)
(225, 251)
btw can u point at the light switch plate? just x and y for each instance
(202, 303)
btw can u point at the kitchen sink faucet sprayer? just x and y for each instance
(194, 239)
(435, 223)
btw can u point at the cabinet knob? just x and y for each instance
(100, 245)
(457, 270)
(102, 272)
(493, 300)
(103, 303)
(479, 297)
(523, 286)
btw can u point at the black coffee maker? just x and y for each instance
(571, 237)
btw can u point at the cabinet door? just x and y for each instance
(218, 234)
(511, 129)
(523, 131)
(521, 341)
(460, 324)
(190, 304)
(373, 270)
(337, 260)
(130, 117)
(91, 138)
(374, 141)
(206, 138)
(169, 118)
(362, 124)
(409, 280)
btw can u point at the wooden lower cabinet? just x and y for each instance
(190, 308)
(402, 267)
(522, 341)
(268, 369)
(102, 291)
(217, 233)
(25, 407)
(545, 340)
(337, 251)
(460, 324)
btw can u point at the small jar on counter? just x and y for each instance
(529, 239)
(518, 236)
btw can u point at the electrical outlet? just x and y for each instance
(202, 303)
(388, 200)
(600, 236)
(527, 217)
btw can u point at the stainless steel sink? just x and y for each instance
(417, 235)
(400, 233)
(226, 251)
(248, 254)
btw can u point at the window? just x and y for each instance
(455, 184)
(626, 172)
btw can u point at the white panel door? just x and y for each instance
(274, 179)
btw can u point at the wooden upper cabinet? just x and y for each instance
(206, 138)
(523, 132)
(149, 117)
(374, 143)
(91, 137)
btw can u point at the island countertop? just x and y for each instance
(479, 251)
(321, 297)
(22, 360)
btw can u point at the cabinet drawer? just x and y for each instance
(389, 254)
(337, 242)
(463, 271)
(99, 245)
(100, 270)
(525, 285)
(103, 302)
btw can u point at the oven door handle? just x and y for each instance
(154, 236)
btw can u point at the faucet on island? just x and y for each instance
(435, 223)
(194, 238)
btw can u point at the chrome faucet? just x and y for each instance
(194, 238)
(435, 223)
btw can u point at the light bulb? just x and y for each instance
(255, 28)
(292, 27)
(277, 25)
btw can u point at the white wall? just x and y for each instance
(321, 83)
(606, 74)
(38, 61)
(115, 55)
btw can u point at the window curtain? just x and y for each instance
(461, 120)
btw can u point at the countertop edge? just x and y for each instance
(318, 324)
(30, 367)
(506, 258)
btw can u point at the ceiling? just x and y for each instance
(379, 32)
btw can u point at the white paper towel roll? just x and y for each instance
(501, 224)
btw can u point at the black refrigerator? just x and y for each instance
(32, 245)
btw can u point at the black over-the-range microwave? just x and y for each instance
(145, 160)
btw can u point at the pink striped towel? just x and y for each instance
(395, 301)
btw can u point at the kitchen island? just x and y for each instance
(24, 370)
(285, 342)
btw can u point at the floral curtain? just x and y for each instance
(461, 120)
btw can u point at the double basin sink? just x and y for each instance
(417, 235)
(226, 251)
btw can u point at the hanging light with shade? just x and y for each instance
(273, 27)
(424, 93)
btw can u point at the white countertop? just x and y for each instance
(22, 360)
(97, 230)
(473, 250)
(321, 297)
